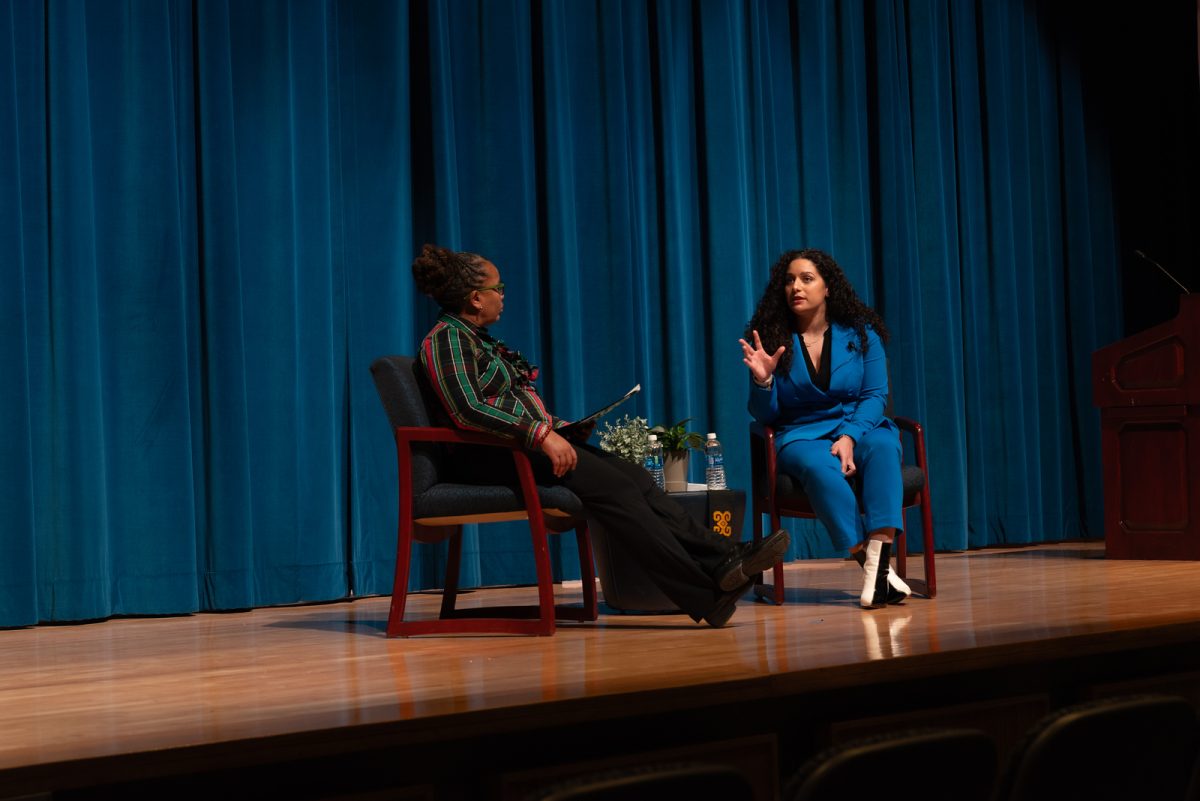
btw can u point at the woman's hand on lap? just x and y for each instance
(843, 449)
(561, 453)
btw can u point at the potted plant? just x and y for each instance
(627, 439)
(677, 442)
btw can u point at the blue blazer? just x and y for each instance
(854, 404)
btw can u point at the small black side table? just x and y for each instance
(626, 586)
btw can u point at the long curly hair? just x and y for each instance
(447, 276)
(773, 317)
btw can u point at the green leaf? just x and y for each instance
(677, 437)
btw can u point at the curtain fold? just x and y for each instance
(23, 312)
(116, 517)
(208, 212)
(272, 262)
(375, 206)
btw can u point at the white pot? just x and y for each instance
(675, 470)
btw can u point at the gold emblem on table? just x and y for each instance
(721, 523)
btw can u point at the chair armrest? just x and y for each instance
(762, 431)
(442, 434)
(914, 429)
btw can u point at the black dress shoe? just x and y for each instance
(726, 605)
(747, 560)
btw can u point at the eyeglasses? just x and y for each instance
(498, 287)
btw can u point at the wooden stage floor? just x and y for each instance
(144, 700)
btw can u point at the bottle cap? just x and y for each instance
(711, 435)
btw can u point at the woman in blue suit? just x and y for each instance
(819, 377)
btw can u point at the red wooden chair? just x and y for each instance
(433, 509)
(777, 495)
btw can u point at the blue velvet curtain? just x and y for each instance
(208, 209)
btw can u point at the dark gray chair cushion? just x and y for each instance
(442, 500)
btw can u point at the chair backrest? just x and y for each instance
(1127, 747)
(691, 782)
(408, 400)
(954, 764)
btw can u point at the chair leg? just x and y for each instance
(761, 588)
(756, 527)
(587, 571)
(453, 565)
(901, 549)
(400, 580)
(545, 575)
(927, 525)
(776, 523)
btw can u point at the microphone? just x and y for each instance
(1142, 255)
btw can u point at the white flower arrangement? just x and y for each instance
(627, 439)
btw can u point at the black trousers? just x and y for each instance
(676, 551)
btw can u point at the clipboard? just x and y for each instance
(596, 415)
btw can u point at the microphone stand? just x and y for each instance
(1142, 255)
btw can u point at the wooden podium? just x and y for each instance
(1148, 389)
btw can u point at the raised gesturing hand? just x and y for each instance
(762, 364)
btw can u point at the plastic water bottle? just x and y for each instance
(654, 462)
(714, 463)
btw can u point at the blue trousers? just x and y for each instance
(877, 457)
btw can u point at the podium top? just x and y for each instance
(1155, 367)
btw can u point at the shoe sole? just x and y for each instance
(765, 558)
(728, 607)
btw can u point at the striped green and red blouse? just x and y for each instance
(482, 384)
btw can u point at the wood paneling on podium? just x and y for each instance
(1148, 389)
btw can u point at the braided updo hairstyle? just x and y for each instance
(773, 318)
(447, 276)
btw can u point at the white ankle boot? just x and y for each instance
(899, 592)
(877, 556)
